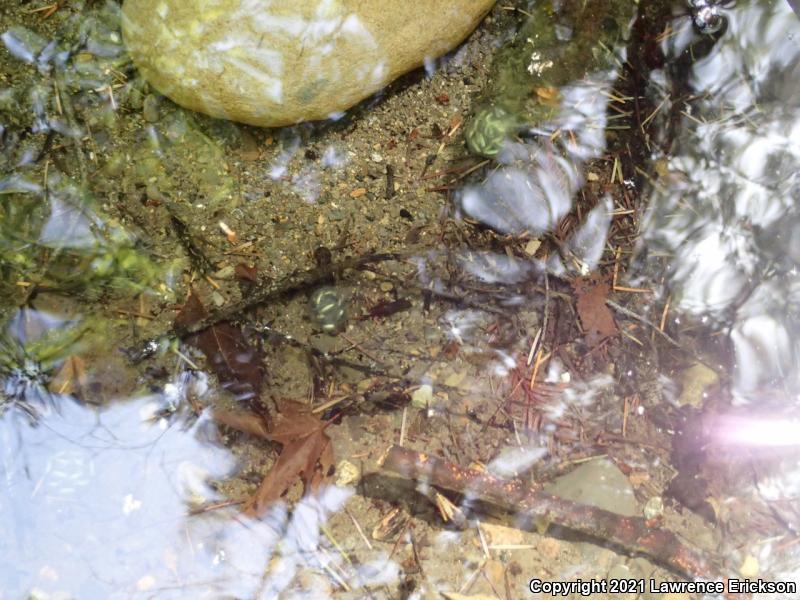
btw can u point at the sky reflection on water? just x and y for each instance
(95, 503)
(727, 212)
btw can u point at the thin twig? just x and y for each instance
(264, 290)
(641, 319)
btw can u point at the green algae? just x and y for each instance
(550, 50)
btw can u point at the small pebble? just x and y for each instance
(347, 473)
(150, 108)
(654, 508)
(750, 567)
(422, 397)
(532, 246)
(217, 298)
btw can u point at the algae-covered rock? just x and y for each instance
(278, 62)
(552, 48)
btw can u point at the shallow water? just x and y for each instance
(475, 330)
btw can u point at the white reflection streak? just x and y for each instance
(589, 241)
(495, 268)
(271, 85)
(731, 203)
(514, 461)
(533, 188)
(85, 490)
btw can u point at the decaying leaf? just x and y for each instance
(245, 272)
(306, 451)
(247, 422)
(306, 454)
(590, 301)
(234, 360)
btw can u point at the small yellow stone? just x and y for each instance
(347, 473)
(422, 397)
(532, 246)
(695, 380)
(500, 535)
(750, 567)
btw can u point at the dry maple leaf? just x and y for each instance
(238, 367)
(306, 452)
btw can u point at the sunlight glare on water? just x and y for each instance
(729, 214)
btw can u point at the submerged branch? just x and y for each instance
(634, 535)
(264, 290)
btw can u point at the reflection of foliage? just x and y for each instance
(65, 84)
(25, 365)
(51, 240)
(724, 213)
(528, 74)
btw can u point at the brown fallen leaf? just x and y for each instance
(590, 302)
(247, 422)
(191, 312)
(297, 459)
(245, 272)
(237, 363)
(306, 454)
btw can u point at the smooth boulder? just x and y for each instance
(277, 62)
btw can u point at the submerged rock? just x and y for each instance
(552, 49)
(279, 62)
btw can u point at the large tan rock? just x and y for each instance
(277, 62)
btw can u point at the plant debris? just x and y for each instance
(71, 378)
(306, 454)
(237, 363)
(590, 301)
(635, 534)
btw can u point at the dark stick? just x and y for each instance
(264, 290)
(389, 182)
